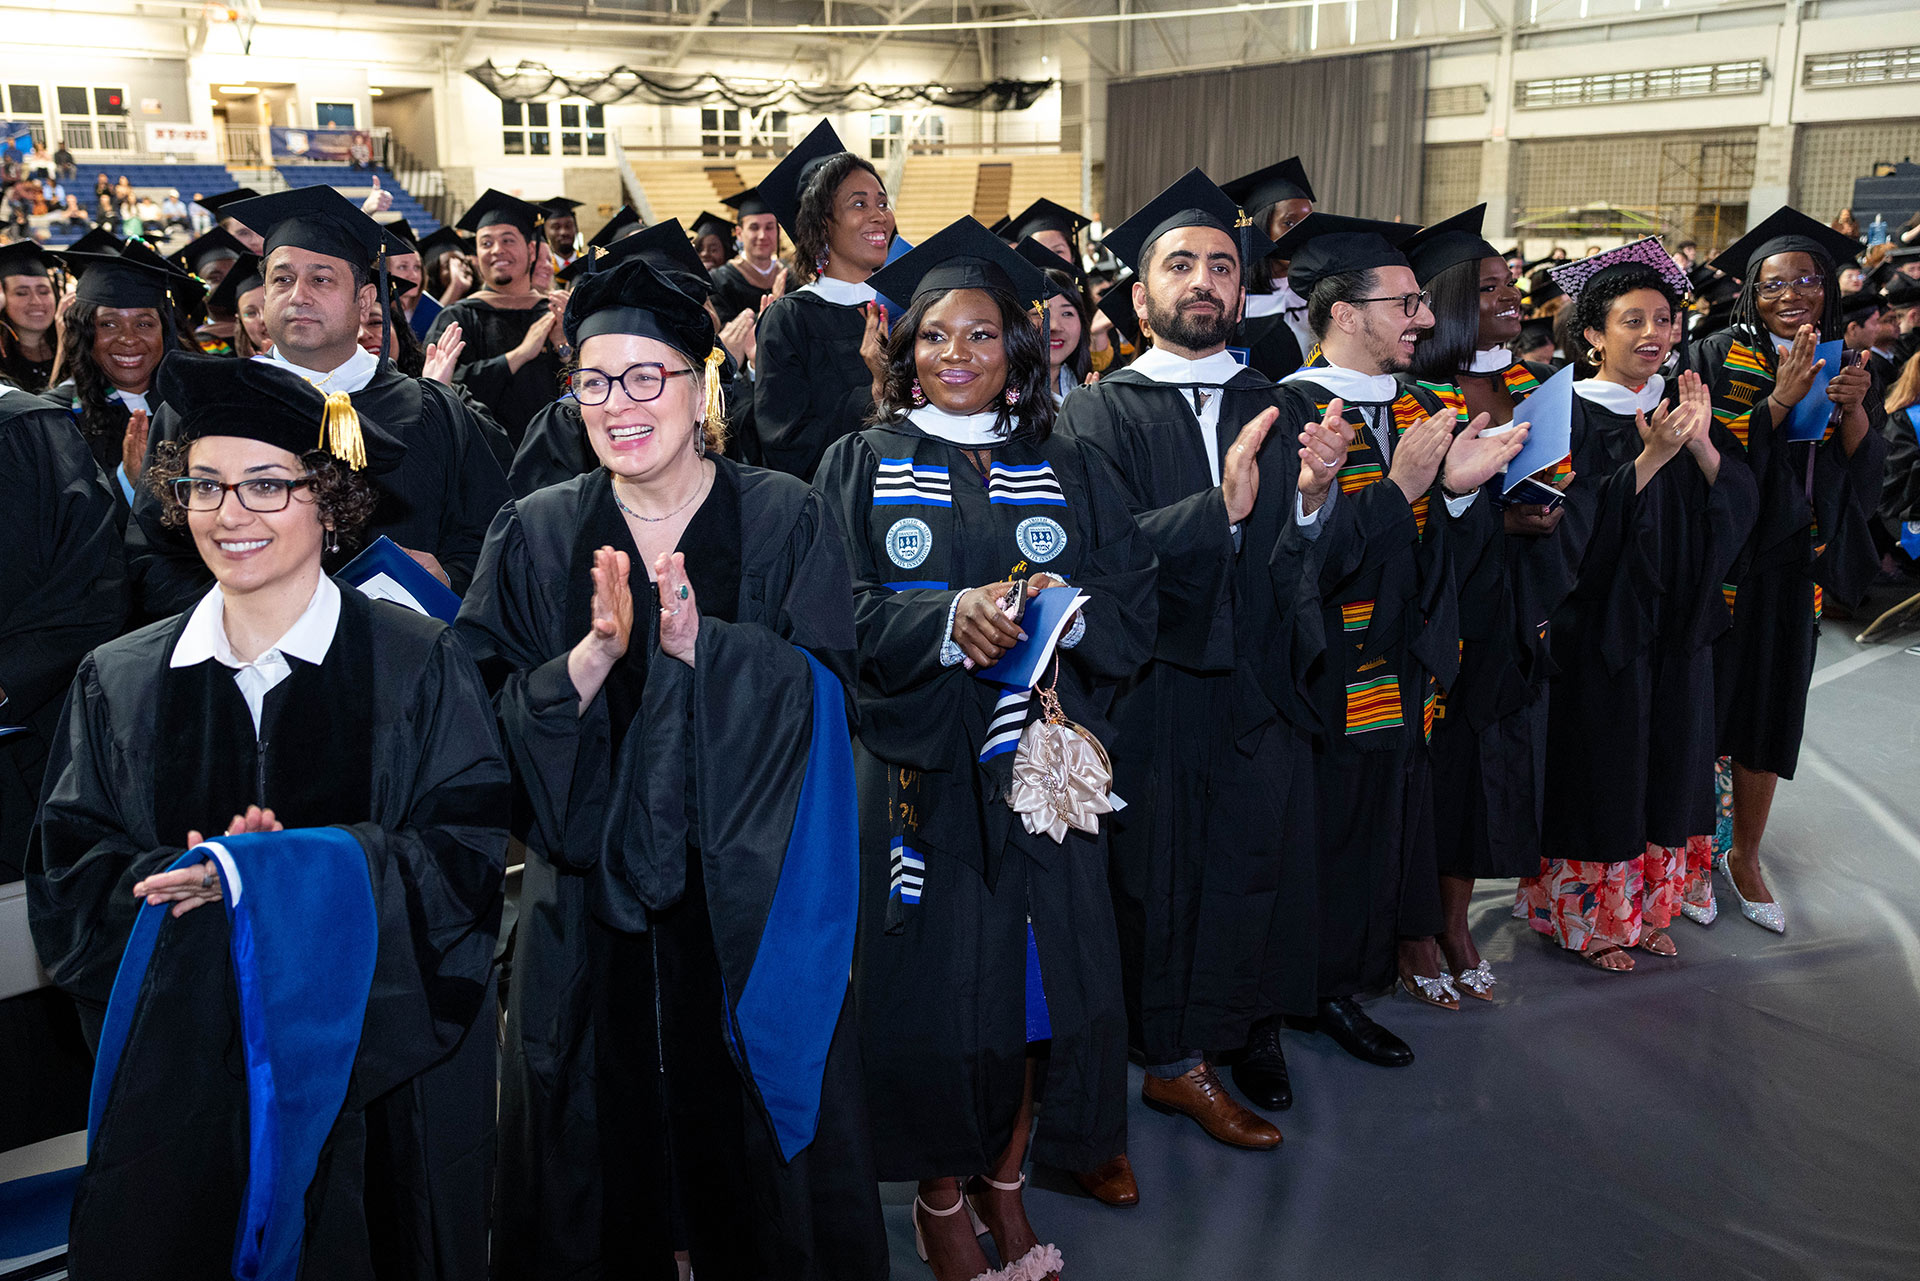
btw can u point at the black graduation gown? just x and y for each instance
(1813, 534)
(811, 387)
(612, 1116)
(63, 590)
(733, 293)
(942, 963)
(490, 333)
(1900, 492)
(1630, 733)
(1272, 349)
(1489, 735)
(28, 375)
(1382, 578)
(413, 769)
(438, 500)
(1213, 864)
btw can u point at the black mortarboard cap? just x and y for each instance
(244, 278)
(615, 227)
(664, 244)
(217, 203)
(1543, 288)
(712, 224)
(1532, 334)
(1324, 245)
(256, 400)
(1284, 181)
(1860, 303)
(1786, 230)
(1046, 260)
(1713, 286)
(780, 189)
(402, 230)
(319, 220)
(1448, 243)
(24, 258)
(1042, 215)
(496, 207)
(748, 203)
(217, 245)
(94, 241)
(636, 297)
(1902, 291)
(131, 276)
(961, 255)
(439, 243)
(560, 205)
(1192, 201)
(1117, 306)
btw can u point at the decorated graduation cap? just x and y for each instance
(1046, 260)
(132, 276)
(636, 297)
(748, 203)
(24, 258)
(664, 244)
(244, 278)
(712, 224)
(496, 208)
(1117, 305)
(961, 255)
(257, 400)
(1192, 201)
(1448, 243)
(216, 246)
(1043, 215)
(1575, 276)
(1269, 186)
(1786, 230)
(1324, 245)
(217, 203)
(780, 189)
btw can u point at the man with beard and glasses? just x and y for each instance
(437, 503)
(1382, 580)
(1213, 855)
(516, 355)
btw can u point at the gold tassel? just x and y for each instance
(712, 414)
(340, 431)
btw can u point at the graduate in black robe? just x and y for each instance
(1409, 510)
(1630, 758)
(1814, 532)
(681, 1068)
(377, 723)
(819, 349)
(743, 281)
(440, 497)
(1213, 861)
(989, 970)
(1274, 332)
(498, 320)
(29, 298)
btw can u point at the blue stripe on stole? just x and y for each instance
(907, 872)
(301, 1012)
(1039, 1022)
(793, 996)
(1024, 485)
(901, 482)
(910, 584)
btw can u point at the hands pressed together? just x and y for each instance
(189, 887)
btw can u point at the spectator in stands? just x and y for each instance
(1846, 224)
(27, 302)
(73, 216)
(39, 163)
(173, 210)
(105, 213)
(63, 163)
(123, 192)
(147, 209)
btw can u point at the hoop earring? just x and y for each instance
(1013, 396)
(917, 393)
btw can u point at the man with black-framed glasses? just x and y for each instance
(1404, 513)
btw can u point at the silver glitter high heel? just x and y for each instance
(1768, 916)
(1477, 981)
(1701, 915)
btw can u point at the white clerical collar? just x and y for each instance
(1349, 385)
(132, 400)
(1493, 360)
(311, 635)
(1619, 397)
(958, 429)
(1163, 366)
(352, 376)
(848, 293)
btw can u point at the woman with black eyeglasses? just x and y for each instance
(670, 637)
(282, 700)
(1818, 466)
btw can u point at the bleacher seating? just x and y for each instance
(148, 179)
(354, 184)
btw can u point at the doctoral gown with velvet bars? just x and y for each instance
(656, 825)
(438, 500)
(811, 387)
(951, 877)
(1382, 578)
(1813, 537)
(1213, 858)
(392, 738)
(1630, 734)
(490, 332)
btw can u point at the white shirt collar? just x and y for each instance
(958, 429)
(1619, 397)
(1349, 385)
(350, 377)
(1491, 361)
(1259, 305)
(848, 293)
(1064, 385)
(132, 400)
(308, 639)
(1163, 366)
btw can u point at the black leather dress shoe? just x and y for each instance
(1351, 1029)
(1261, 1072)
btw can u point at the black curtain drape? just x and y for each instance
(1358, 123)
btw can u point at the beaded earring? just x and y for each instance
(1013, 396)
(919, 396)
(820, 264)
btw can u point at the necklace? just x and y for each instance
(655, 520)
(755, 273)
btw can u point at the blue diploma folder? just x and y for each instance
(1809, 418)
(1549, 415)
(384, 572)
(1046, 620)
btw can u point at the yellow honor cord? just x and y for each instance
(340, 431)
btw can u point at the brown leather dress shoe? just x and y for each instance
(1200, 1095)
(1111, 1184)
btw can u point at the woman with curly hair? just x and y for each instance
(989, 957)
(821, 348)
(672, 640)
(281, 701)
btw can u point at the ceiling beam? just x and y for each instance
(873, 46)
(709, 10)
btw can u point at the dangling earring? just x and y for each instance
(820, 264)
(332, 541)
(919, 396)
(1013, 396)
(700, 440)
